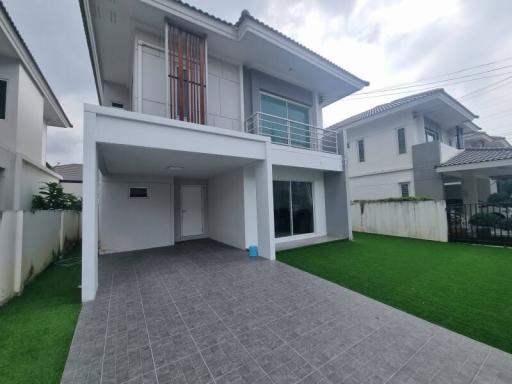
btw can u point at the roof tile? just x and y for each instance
(480, 155)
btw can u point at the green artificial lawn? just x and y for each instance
(463, 287)
(36, 328)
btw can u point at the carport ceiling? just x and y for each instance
(141, 161)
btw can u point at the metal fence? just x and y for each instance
(292, 133)
(480, 223)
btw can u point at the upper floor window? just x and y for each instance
(360, 150)
(460, 137)
(186, 53)
(400, 133)
(285, 121)
(431, 135)
(3, 98)
(404, 189)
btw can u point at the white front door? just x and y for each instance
(192, 210)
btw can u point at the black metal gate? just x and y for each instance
(480, 223)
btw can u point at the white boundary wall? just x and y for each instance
(421, 219)
(29, 242)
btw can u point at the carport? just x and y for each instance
(151, 182)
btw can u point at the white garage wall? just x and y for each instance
(315, 177)
(131, 224)
(226, 209)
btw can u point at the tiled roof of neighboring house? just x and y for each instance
(386, 107)
(479, 155)
(25, 46)
(69, 172)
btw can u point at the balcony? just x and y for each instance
(292, 133)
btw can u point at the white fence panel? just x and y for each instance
(7, 252)
(71, 226)
(420, 219)
(41, 241)
(29, 242)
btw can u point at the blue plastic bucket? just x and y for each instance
(253, 250)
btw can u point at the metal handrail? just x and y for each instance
(292, 133)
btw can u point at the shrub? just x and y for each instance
(505, 224)
(52, 196)
(484, 219)
(497, 198)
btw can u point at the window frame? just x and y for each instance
(138, 187)
(290, 200)
(359, 141)
(6, 81)
(397, 132)
(408, 185)
(308, 108)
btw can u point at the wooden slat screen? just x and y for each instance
(187, 75)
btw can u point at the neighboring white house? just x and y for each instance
(206, 129)
(27, 107)
(484, 140)
(71, 178)
(414, 146)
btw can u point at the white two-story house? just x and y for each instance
(27, 107)
(414, 146)
(206, 129)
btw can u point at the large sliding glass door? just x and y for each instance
(285, 121)
(293, 208)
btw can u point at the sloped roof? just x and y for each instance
(479, 155)
(386, 107)
(244, 16)
(69, 172)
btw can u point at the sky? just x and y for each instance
(389, 43)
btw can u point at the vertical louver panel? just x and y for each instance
(187, 75)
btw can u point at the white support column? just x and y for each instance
(90, 210)
(469, 188)
(265, 206)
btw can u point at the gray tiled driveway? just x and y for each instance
(202, 312)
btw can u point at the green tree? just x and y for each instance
(52, 196)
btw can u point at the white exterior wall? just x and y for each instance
(9, 70)
(317, 179)
(381, 185)
(131, 224)
(74, 188)
(384, 168)
(226, 221)
(421, 220)
(223, 94)
(31, 125)
(381, 145)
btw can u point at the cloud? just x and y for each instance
(383, 41)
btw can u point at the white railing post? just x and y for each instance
(289, 132)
